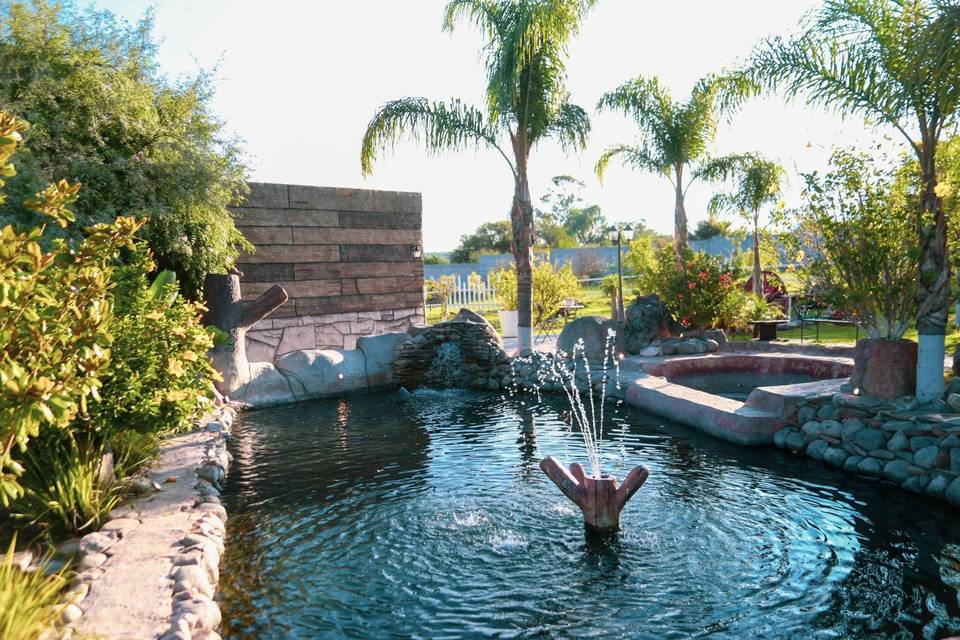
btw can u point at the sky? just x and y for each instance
(299, 80)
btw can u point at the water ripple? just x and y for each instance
(430, 519)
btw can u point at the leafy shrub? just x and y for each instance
(504, 283)
(701, 292)
(66, 492)
(55, 309)
(438, 292)
(159, 377)
(28, 600)
(551, 286)
(132, 450)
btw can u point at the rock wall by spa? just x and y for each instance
(889, 441)
(345, 257)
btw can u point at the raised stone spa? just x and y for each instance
(741, 397)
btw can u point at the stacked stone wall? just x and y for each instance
(348, 258)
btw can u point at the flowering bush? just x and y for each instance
(701, 293)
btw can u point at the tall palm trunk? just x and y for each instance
(679, 216)
(521, 219)
(934, 285)
(757, 270)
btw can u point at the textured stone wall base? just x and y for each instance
(273, 337)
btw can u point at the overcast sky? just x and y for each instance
(299, 80)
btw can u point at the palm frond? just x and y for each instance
(756, 181)
(645, 100)
(441, 126)
(631, 156)
(894, 60)
(525, 53)
(570, 127)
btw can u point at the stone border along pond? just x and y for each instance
(151, 571)
(892, 441)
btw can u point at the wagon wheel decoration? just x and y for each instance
(773, 286)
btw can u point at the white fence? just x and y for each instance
(476, 298)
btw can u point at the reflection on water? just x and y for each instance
(369, 517)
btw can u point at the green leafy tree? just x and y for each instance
(756, 183)
(896, 62)
(551, 286)
(856, 230)
(103, 116)
(710, 228)
(527, 102)
(490, 237)
(676, 137)
(569, 221)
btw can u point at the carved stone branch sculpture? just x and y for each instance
(227, 312)
(600, 499)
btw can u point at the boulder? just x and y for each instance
(379, 353)
(648, 319)
(463, 352)
(321, 373)
(926, 457)
(870, 467)
(265, 386)
(716, 335)
(594, 332)
(884, 368)
(952, 493)
(835, 456)
(870, 439)
(900, 470)
(817, 449)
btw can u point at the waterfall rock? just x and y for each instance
(463, 352)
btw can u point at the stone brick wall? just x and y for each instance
(345, 257)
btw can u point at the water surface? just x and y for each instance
(373, 518)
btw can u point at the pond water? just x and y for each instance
(376, 518)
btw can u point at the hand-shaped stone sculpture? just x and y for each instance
(600, 499)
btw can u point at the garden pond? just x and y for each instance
(427, 517)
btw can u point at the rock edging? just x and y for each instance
(196, 569)
(890, 441)
(151, 571)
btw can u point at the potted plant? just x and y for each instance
(504, 284)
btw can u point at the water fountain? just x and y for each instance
(598, 495)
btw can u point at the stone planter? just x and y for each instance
(508, 323)
(884, 368)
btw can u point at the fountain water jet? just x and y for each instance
(598, 495)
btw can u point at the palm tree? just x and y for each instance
(675, 137)
(757, 182)
(527, 102)
(895, 62)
